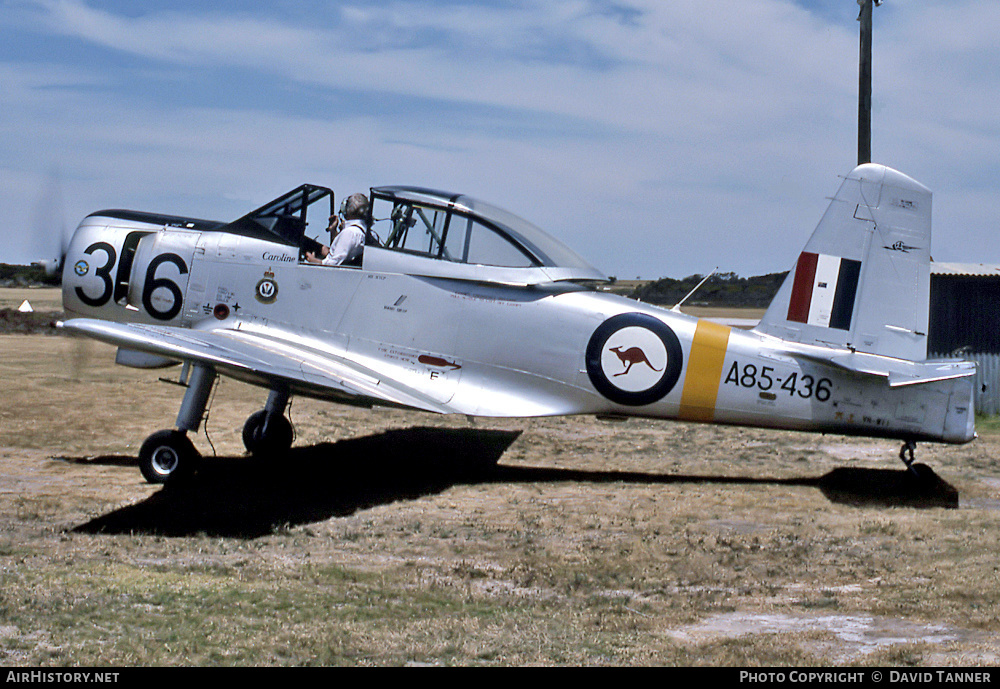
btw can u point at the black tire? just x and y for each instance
(279, 435)
(167, 456)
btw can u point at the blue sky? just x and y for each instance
(657, 138)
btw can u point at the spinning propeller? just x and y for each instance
(50, 234)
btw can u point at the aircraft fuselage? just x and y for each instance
(487, 349)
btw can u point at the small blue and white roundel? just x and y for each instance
(634, 359)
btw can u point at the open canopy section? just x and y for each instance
(461, 229)
(285, 218)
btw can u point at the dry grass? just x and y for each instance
(384, 538)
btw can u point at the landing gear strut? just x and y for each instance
(267, 431)
(169, 456)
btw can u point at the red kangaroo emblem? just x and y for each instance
(632, 355)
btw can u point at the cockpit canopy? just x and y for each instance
(284, 219)
(433, 233)
(461, 229)
(414, 231)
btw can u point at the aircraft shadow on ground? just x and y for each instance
(246, 498)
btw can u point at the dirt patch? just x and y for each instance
(16, 322)
(846, 637)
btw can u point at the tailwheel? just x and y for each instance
(265, 433)
(906, 453)
(167, 456)
(926, 479)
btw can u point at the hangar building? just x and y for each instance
(965, 323)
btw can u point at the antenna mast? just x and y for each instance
(865, 82)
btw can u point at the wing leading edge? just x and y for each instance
(263, 359)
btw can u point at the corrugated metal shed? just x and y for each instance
(987, 384)
(969, 269)
(965, 323)
(964, 309)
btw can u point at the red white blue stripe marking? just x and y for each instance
(823, 290)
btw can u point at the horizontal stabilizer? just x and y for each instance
(896, 372)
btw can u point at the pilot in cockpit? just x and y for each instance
(349, 244)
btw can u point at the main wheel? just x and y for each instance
(167, 456)
(277, 437)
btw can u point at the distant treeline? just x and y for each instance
(11, 275)
(722, 289)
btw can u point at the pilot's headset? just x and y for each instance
(340, 217)
(356, 205)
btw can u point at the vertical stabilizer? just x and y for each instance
(863, 279)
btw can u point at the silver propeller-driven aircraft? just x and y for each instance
(457, 306)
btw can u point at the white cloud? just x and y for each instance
(691, 137)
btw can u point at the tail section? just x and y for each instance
(863, 279)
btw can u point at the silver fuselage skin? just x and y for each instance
(498, 347)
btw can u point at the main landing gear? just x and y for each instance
(168, 456)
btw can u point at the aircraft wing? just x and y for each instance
(262, 358)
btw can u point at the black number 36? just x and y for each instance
(151, 284)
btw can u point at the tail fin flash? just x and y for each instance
(863, 279)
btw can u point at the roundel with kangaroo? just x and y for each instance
(634, 359)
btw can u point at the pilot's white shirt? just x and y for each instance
(347, 245)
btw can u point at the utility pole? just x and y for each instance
(865, 82)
